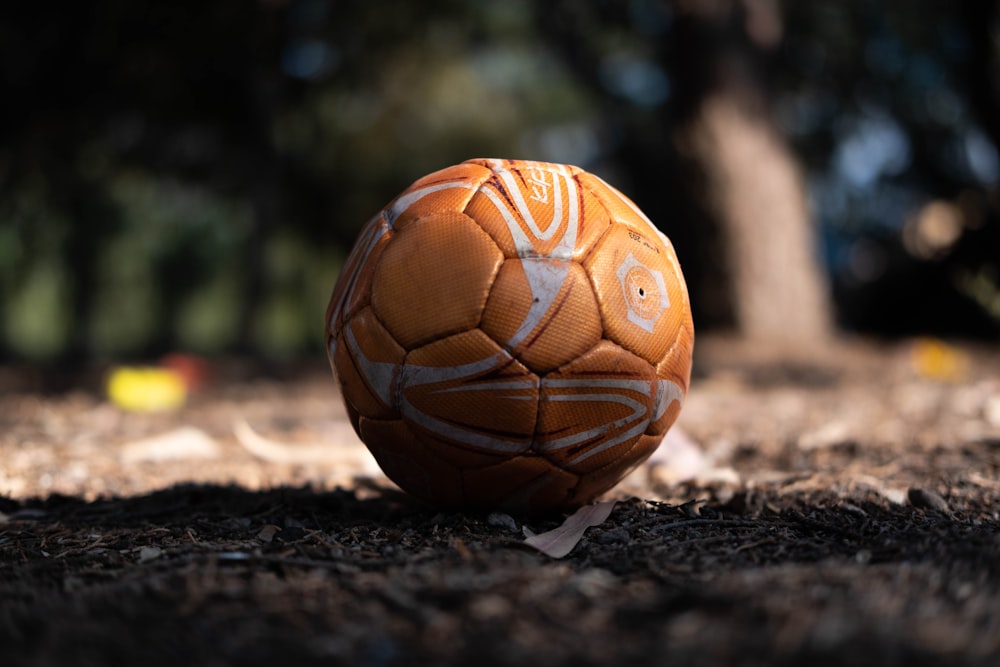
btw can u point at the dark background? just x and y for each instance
(187, 176)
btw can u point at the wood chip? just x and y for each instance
(502, 520)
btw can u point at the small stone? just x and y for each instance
(928, 500)
(147, 554)
(490, 607)
(502, 520)
(267, 533)
(851, 508)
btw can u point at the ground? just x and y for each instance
(845, 509)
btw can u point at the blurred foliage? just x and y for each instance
(187, 176)
(895, 107)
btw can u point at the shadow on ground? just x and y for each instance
(223, 575)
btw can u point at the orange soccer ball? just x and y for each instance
(510, 334)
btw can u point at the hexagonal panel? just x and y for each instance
(434, 277)
(642, 303)
(544, 311)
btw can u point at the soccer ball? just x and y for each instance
(510, 334)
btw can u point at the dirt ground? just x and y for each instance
(845, 509)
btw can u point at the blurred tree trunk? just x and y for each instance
(753, 187)
(710, 166)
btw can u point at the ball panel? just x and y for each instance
(618, 206)
(673, 379)
(537, 209)
(457, 453)
(368, 363)
(446, 190)
(604, 479)
(544, 311)
(641, 303)
(407, 463)
(352, 290)
(592, 410)
(434, 277)
(519, 483)
(467, 391)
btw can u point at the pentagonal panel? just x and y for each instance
(520, 483)
(593, 410)
(353, 288)
(368, 364)
(409, 464)
(642, 303)
(433, 278)
(537, 209)
(446, 190)
(543, 310)
(469, 395)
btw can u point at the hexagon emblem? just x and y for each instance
(644, 290)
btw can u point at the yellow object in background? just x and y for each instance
(935, 359)
(146, 388)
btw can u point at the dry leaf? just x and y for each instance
(678, 458)
(344, 451)
(186, 442)
(560, 541)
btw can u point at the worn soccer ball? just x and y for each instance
(510, 334)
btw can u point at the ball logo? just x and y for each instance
(539, 185)
(645, 292)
